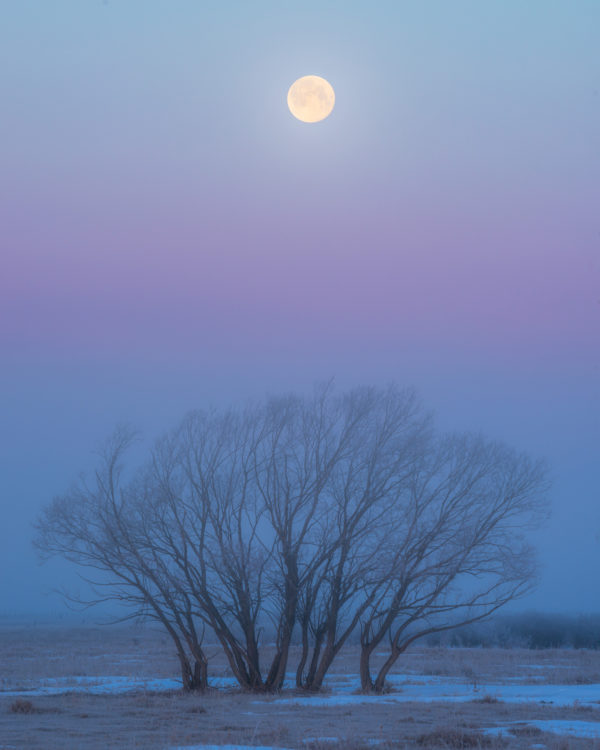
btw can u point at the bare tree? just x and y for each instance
(279, 508)
(456, 548)
(222, 549)
(316, 516)
(104, 527)
(386, 431)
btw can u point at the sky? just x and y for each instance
(173, 238)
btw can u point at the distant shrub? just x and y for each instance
(525, 630)
(487, 699)
(196, 710)
(22, 706)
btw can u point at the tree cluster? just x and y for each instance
(320, 517)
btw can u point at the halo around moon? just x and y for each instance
(311, 98)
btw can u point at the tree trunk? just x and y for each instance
(379, 685)
(314, 662)
(236, 662)
(253, 658)
(315, 683)
(200, 675)
(366, 681)
(276, 676)
(196, 679)
(303, 656)
(187, 679)
(306, 681)
(368, 645)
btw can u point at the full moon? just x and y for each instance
(311, 98)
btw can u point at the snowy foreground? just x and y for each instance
(584, 729)
(100, 689)
(342, 690)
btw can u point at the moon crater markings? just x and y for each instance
(311, 98)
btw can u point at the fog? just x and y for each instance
(173, 239)
(55, 424)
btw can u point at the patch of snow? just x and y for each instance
(574, 728)
(95, 685)
(497, 731)
(454, 691)
(342, 692)
(306, 740)
(565, 726)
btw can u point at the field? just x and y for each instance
(117, 687)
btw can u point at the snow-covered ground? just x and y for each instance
(105, 685)
(589, 729)
(102, 685)
(584, 729)
(340, 690)
(123, 683)
(343, 689)
(430, 688)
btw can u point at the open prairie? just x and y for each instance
(99, 687)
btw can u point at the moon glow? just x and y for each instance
(311, 98)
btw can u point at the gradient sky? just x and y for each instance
(171, 237)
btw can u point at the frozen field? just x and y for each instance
(118, 687)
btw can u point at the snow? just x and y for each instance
(429, 689)
(564, 726)
(590, 729)
(307, 740)
(95, 685)
(342, 690)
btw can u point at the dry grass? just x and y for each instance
(159, 720)
(526, 731)
(487, 699)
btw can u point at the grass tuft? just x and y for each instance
(22, 706)
(196, 710)
(487, 698)
(526, 731)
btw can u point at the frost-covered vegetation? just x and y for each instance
(536, 630)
